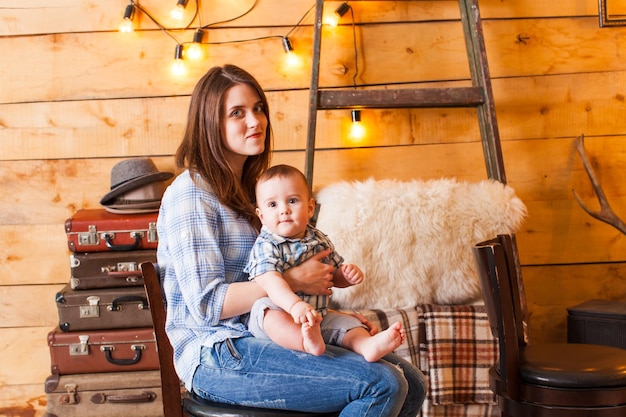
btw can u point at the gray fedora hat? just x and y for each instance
(131, 174)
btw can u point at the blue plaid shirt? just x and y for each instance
(203, 246)
(272, 252)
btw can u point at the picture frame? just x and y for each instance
(612, 13)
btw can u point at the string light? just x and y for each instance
(179, 10)
(178, 66)
(195, 51)
(333, 20)
(292, 59)
(287, 45)
(126, 26)
(357, 130)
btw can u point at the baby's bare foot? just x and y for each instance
(312, 340)
(384, 342)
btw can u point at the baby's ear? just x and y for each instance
(259, 213)
(311, 208)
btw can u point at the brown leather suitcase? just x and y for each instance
(115, 394)
(97, 230)
(92, 351)
(99, 309)
(108, 269)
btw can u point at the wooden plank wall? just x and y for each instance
(77, 97)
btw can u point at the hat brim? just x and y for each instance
(126, 210)
(134, 183)
(138, 205)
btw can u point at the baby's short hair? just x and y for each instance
(283, 171)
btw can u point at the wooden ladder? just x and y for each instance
(479, 95)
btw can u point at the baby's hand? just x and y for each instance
(303, 312)
(352, 273)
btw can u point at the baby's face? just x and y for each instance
(284, 206)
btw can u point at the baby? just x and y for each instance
(300, 321)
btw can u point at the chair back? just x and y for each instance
(498, 278)
(518, 292)
(543, 380)
(170, 383)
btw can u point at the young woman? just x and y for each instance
(207, 226)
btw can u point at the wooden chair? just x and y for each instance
(542, 380)
(177, 403)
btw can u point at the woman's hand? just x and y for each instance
(312, 276)
(373, 329)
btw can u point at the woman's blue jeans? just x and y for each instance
(258, 373)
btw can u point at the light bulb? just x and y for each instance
(178, 66)
(292, 59)
(179, 10)
(357, 130)
(333, 20)
(126, 26)
(195, 51)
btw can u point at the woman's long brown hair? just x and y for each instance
(202, 148)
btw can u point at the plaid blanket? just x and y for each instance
(457, 351)
(453, 347)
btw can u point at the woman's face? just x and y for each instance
(245, 124)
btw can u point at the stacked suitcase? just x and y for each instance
(103, 354)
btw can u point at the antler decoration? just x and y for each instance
(606, 213)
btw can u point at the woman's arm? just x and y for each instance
(283, 296)
(239, 298)
(277, 289)
(312, 276)
(202, 248)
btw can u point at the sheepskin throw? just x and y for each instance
(413, 240)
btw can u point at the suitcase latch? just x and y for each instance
(126, 266)
(74, 262)
(89, 238)
(129, 267)
(92, 310)
(119, 267)
(152, 232)
(71, 397)
(81, 348)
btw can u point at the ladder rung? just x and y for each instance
(413, 98)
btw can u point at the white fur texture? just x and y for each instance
(413, 240)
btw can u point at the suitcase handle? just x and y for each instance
(123, 362)
(108, 237)
(115, 304)
(131, 276)
(144, 397)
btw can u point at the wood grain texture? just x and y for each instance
(551, 290)
(26, 400)
(27, 17)
(75, 66)
(30, 356)
(29, 305)
(78, 97)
